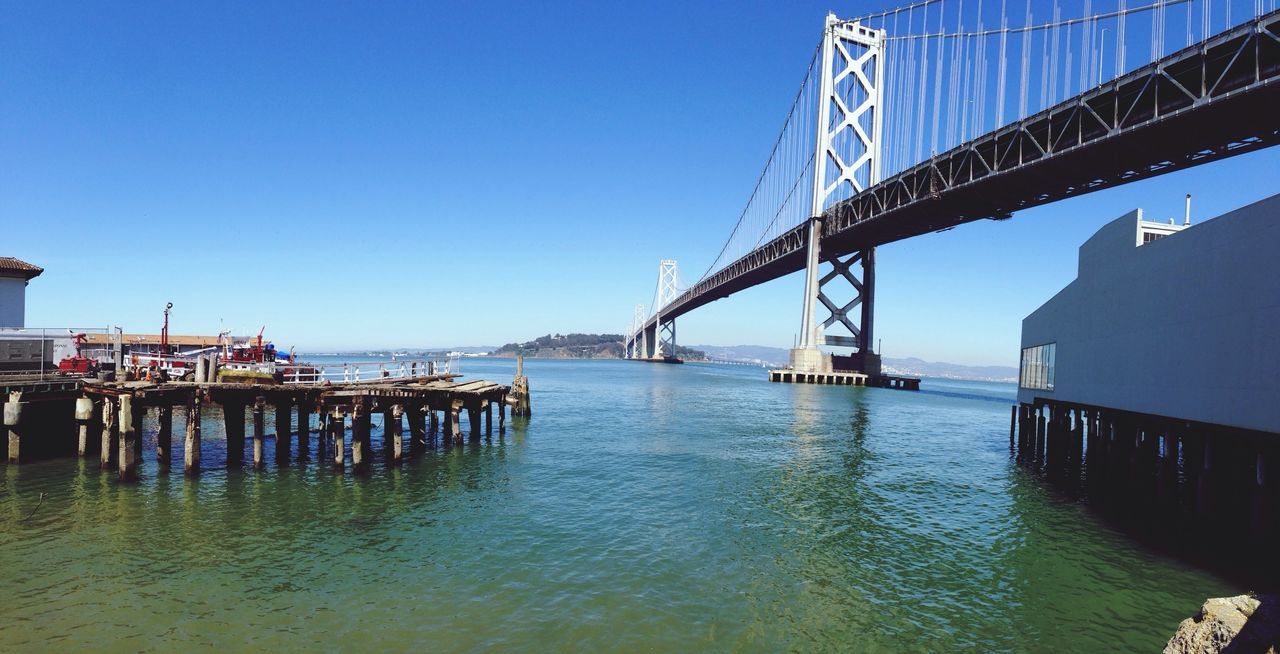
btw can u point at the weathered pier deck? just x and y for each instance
(87, 417)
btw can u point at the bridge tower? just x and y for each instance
(635, 341)
(668, 276)
(846, 161)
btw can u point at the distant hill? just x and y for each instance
(580, 346)
(920, 368)
(777, 356)
(757, 354)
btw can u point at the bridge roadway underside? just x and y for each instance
(1213, 100)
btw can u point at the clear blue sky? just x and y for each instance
(403, 174)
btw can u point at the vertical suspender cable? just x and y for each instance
(924, 73)
(1120, 44)
(937, 82)
(1000, 76)
(1026, 67)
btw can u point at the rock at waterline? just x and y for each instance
(1245, 624)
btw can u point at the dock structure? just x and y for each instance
(838, 378)
(844, 378)
(104, 418)
(1184, 423)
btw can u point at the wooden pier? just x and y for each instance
(1162, 468)
(87, 417)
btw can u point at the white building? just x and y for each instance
(14, 275)
(1168, 321)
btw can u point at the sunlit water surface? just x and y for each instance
(644, 506)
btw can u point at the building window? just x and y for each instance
(1036, 371)
(1148, 237)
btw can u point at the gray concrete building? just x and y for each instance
(14, 275)
(1166, 320)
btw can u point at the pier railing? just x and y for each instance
(369, 371)
(302, 372)
(35, 351)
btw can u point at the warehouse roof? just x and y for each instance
(11, 267)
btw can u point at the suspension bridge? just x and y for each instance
(942, 112)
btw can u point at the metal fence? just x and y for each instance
(34, 352)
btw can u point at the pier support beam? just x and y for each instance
(233, 425)
(13, 410)
(360, 434)
(304, 429)
(337, 436)
(452, 432)
(488, 418)
(1037, 453)
(110, 433)
(164, 434)
(392, 427)
(1168, 474)
(191, 449)
(259, 430)
(417, 429)
(84, 416)
(1262, 522)
(473, 420)
(284, 432)
(130, 420)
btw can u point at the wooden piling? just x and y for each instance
(13, 421)
(259, 430)
(1013, 424)
(164, 434)
(488, 418)
(452, 432)
(337, 436)
(417, 429)
(502, 414)
(1169, 467)
(521, 405)
(304, 429)
(130, 419)
(392, 429)
(84, 415)
(191, 448)
(360, 433)
(1261, 522)
(233, 425)
(109, 431)
(1037, 453)
(473, 420)
(284, 431)
(322, 432)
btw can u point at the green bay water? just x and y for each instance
(644, 507)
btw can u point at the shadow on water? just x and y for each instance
(1165, 521)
